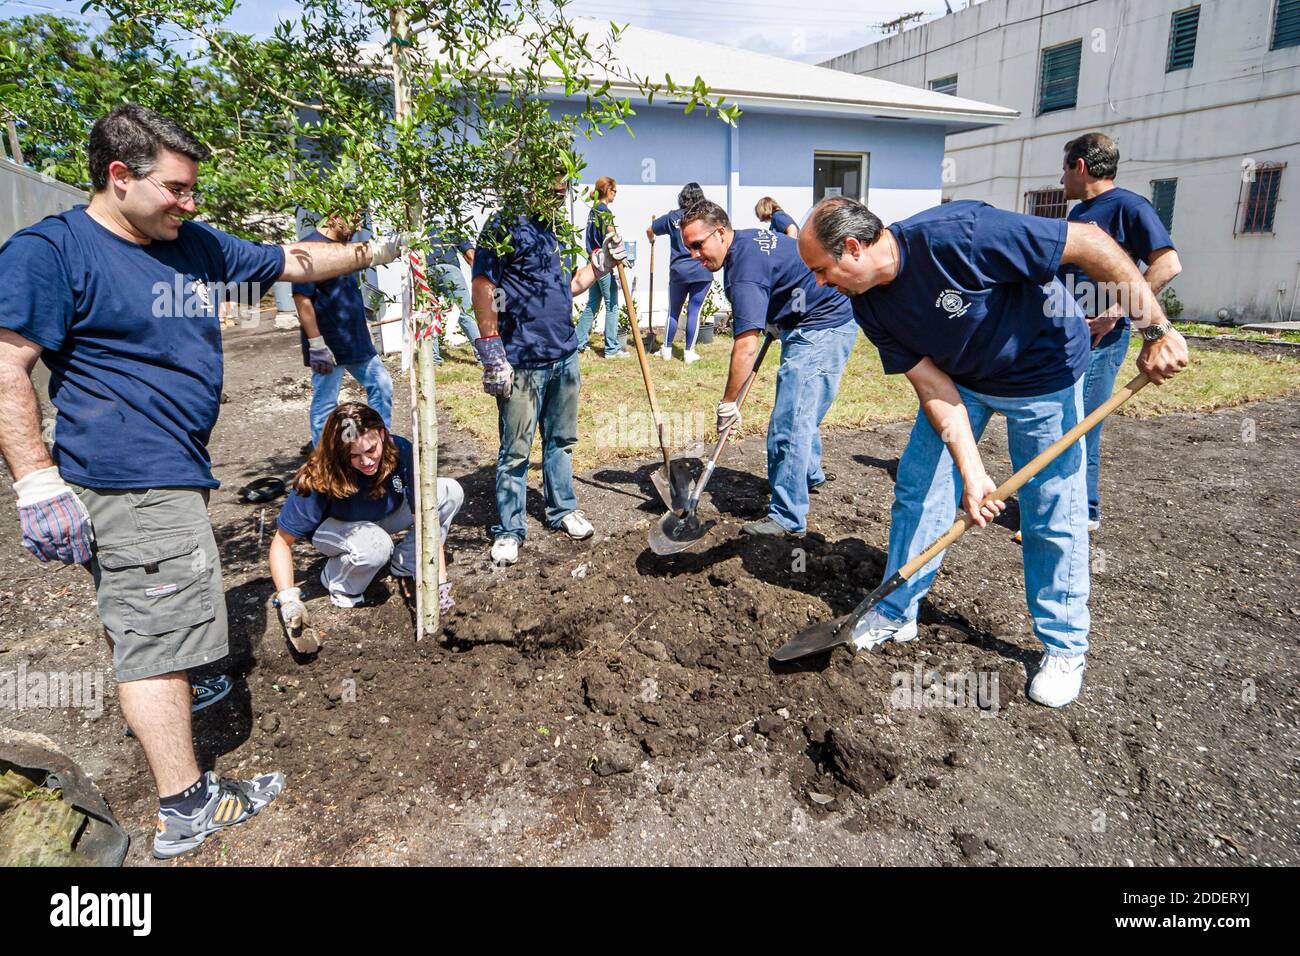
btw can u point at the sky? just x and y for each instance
(808, 30)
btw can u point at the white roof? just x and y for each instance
(765, 83)
(759, 81)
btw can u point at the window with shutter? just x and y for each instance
(1182, 39)
(1286, 24)
(1162, 198)
(1058, 81)
(945, 84)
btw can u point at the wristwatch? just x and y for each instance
(1154, 333)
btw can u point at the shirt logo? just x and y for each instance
(397, 484)
(204, 296)
(766, 241)
(950, 301)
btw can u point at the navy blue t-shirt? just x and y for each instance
(599, 221)
(682, 268)
(977, 292)
(536, 318)
(1131, 221)
(782, 220)
(301, 515)
(132, 340)
(766, 281)
(444, 252)
(340, 314)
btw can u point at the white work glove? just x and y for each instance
(319, 356)
(498, 376)
(728, 415)
(384, 249)
(613, 250)
(293, 613)
(56, 525)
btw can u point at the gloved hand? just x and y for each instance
(728, 414)
(612, 250)
(384, 249)
(498, 376)
(445, 601)
(56, 525)
(293, 613)
(319, 356)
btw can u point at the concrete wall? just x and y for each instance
(27, 197)
(1238, 104)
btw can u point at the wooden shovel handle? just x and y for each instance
(1022, 477)
(635, 335)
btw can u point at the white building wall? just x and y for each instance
(1238, 104)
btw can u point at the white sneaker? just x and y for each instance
(1058, 681)
(505, 550)
(875, 629)
(577, 526)
(691, 356)
(1094, 525)
(666, 353)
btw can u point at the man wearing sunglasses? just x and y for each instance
(770, 287)
(116, 297)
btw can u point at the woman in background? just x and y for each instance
(769, 210)
(688, 281)
(599, 222)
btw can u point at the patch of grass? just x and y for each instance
(614, 418)
(1213, 379)
(1200, 328)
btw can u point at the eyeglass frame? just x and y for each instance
(194, 195)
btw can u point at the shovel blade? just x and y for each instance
(673, 535)
(674, 485)
(816, 638)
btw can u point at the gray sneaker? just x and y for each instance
(230, 803)
(768, 528)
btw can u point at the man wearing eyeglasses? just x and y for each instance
(769, 286)
(136, 375)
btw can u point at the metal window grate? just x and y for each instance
(945, 84)
(1259, 203)
(1058, 81)
(1162, 198)
(1049, 203)
(1182, 39)
(1286, 24)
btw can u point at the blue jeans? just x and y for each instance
(691, 295)
(371, 375)
(547, 397)
(812, 363)
(1053, 512)
(1099, 385)
(605, 290)
(453, 280)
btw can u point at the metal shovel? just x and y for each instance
(678, 530)
(828, 634)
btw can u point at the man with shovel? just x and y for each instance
(769, 286)
(963, 299)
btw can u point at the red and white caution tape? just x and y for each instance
(421, 325)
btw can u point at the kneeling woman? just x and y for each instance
(350, 497)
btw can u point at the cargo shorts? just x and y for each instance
(157, 579)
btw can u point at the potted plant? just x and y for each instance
(711, 312)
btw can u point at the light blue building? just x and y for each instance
(806, 132)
